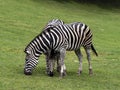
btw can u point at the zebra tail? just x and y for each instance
(93, 49)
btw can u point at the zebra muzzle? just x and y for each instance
(27, 72)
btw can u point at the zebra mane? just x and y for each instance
(32, 41)
(52, 23)
(39, 35)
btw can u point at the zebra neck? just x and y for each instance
(45, 42)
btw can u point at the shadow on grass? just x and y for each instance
(41, 72)
(105, 4)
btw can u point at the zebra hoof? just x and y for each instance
(51, 74)
(63, 74)
(79, 72)
(90, 72)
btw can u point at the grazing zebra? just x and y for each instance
(50, 24)
(83, 37)
(59, 39)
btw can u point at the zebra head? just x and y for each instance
(31, 61)
(40, 44)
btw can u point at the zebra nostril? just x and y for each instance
(27, 72)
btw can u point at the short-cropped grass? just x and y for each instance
(22, 20)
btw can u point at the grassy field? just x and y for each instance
(22, 20)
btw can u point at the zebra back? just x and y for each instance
(53, 22)
(76, 35)
(59, 37)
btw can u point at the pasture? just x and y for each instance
(22, 20)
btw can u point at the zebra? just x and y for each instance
(59, 39)
(51, 24)
(88, 33)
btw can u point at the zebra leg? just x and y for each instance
(51, 66)
(58, 64)
(79, 55)
(47, 64)
(63, 67)
(89, 60)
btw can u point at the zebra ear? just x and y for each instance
(28, 52)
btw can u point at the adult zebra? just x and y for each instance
(59, 39)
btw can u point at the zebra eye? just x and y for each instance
(26, 60)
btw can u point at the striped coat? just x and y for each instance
(59, 39)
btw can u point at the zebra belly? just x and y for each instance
(72, 48)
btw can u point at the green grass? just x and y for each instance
(22, 20)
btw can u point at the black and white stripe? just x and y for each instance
(52, 23)
(76, 34)
(33, 49)
(60, 38)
